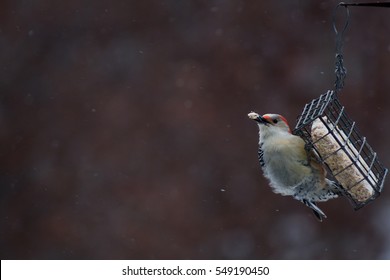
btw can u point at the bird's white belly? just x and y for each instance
(283, 173)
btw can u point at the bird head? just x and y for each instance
(270, 123)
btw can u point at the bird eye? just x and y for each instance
(275, 120)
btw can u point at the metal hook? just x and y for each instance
(346, 21)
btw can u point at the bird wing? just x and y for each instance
(315, 162)
(260, 154)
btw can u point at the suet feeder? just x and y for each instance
(350, 160)
(335, 139)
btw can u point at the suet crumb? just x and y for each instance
(253, 115)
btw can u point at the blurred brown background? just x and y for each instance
(124, 130)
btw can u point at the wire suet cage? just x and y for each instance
(350, 160)
(336, 141)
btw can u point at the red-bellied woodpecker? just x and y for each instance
(291, 169)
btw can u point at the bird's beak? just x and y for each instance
(258, 118)
(262, 120)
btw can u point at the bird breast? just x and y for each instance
(285, 161)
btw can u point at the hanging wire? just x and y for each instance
(340, 71)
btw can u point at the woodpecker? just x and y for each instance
(291, 168)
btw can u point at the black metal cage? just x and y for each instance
(350, 160)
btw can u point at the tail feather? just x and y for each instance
(316, 210)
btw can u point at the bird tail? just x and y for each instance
(332, 190)
(316, 210)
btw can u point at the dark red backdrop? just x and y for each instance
(124, 132)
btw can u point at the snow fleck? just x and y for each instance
(219, 32)
(188, 104)
(180, 83)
